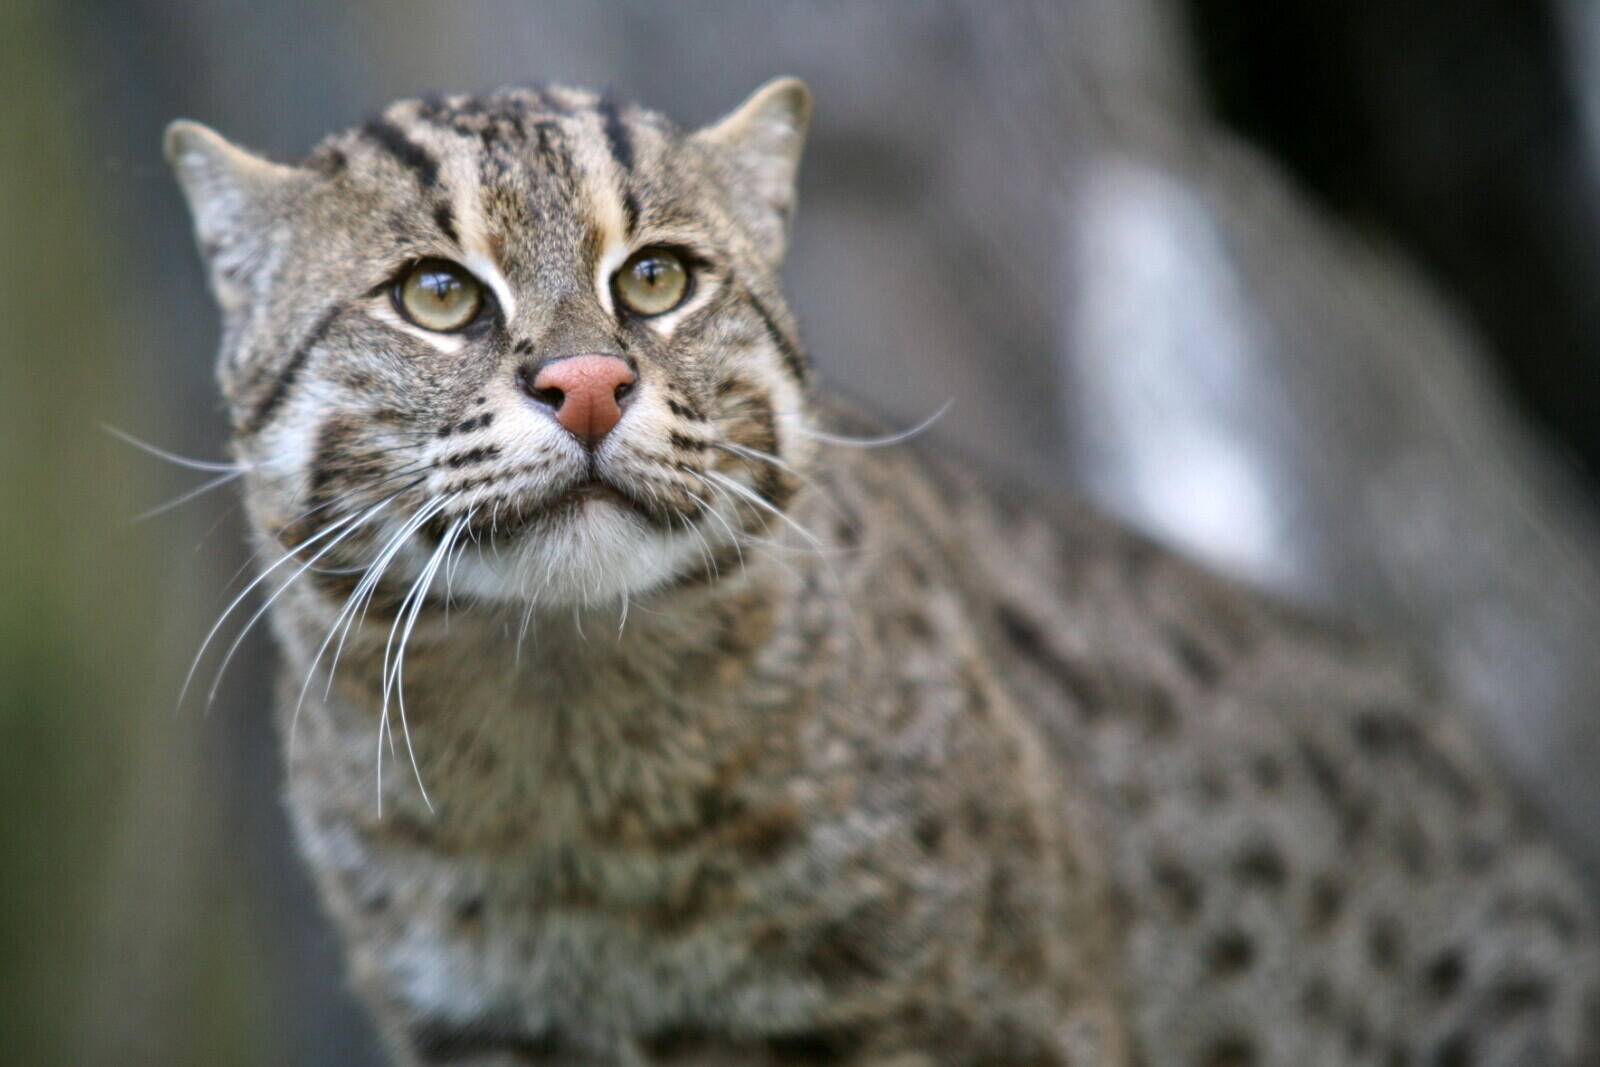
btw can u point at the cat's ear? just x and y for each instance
(763, 138)
(234, 197)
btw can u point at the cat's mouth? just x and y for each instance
(513, 516)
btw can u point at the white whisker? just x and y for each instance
(211, 635)
(416, 597)
(266, 605)
(173, 457)
(878, 442)
(733, 535)
(744, 492)
(346, 616)
(184, 498)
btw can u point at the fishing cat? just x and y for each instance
(631, 718)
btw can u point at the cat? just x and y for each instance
(633, 717)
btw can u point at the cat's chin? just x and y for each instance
(598, 551)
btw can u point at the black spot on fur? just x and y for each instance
(1379, 732)
(929, 832)
(1229, 954)
(472, 455)
(1028, 639)
(1384, 944)
(1213, 786)
(1201, 665)
(1229, 1050)
(1518, 995)
(1316, 999)
(1268, 772)
(685, 443)
(840, 952)
(1414, 849)
(815, 1047)
(1474, 854)
(1324, 775)
(1443, 975)
(441, 1041)
(673, 1043)
(1357, 1037)
(1180, 887)
(1324, 903)
(1453, 1051)
(683, 411)
(1261, 865)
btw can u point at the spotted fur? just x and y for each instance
(722, 743)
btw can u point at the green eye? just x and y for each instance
(439, 295)
(652, 281)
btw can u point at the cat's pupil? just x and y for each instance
(439, 296)
(652, 282)
(445, 289)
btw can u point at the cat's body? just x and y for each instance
(740, 746)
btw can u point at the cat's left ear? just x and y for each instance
(234, 196)
(763, 139)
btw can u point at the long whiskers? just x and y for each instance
(332, 528)
(191, 494)
(357, 600)
(394, 677)
(761, 503)
(266, 605)
(844, 440)
(173, 457)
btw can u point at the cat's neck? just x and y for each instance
(591, 710)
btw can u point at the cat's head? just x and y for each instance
(537, 332)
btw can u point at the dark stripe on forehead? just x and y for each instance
(275, 397)
(786, 345)
(618, 139)
(393, 140)
(444, 217)
(630, 212)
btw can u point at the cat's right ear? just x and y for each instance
(234, 196)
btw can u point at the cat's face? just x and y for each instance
(534, 334)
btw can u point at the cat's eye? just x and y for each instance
(439, 295)
(652, 282)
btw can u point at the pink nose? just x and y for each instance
(585, 392)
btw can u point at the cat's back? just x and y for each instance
(1313, 861)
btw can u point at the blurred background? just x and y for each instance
(1306, 289)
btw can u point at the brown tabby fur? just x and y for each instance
(730, 744)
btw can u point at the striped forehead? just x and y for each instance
(498, 167)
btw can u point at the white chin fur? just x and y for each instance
(592, 558)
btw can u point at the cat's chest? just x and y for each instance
(573, 939)
(562, 849)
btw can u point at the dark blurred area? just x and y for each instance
(1458, 130)
(1304, 289)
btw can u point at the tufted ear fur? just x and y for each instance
(234, 196)
(762, 140)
